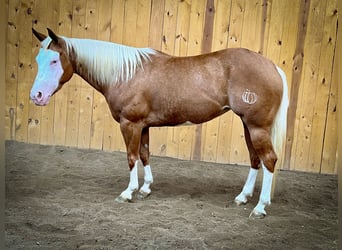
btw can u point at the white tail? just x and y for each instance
(278, 132)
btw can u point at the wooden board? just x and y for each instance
(24, 75)
(301, 157)
(11, 76)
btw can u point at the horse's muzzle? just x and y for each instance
(39, 98)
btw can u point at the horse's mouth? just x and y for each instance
(41, 101)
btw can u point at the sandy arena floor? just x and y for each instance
(63, 198)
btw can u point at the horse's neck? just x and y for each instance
(84, 73)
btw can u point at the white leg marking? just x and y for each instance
(265, 196)
(248, 188)
(133, 184)
(148, 180)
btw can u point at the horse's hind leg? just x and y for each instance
(145, 190)
(248, 188)
(262, 144)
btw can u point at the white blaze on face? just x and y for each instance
(50, 71)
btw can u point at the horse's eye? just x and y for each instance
(53, 62)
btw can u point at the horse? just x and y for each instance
(147, 88)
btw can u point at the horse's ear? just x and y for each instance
(53, 36)
(41, 37)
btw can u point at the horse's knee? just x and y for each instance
(131, 161)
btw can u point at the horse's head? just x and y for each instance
(54, 67)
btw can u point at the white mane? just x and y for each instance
(106, 62)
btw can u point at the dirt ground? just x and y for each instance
(63, 198)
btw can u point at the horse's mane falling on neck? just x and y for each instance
(105, 62)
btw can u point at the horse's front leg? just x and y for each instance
(145, 190)
(132, 135)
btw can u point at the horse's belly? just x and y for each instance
(191, 116)
(191, 105)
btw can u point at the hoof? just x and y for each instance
(239, 203)
(242, 199)
(257, 215)
(121, 199)
(141, 195)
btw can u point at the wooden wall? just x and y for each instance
(300, 36)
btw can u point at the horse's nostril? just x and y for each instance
(39, 96)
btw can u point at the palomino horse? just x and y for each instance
(146, 88)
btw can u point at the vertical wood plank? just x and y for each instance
(274, 44)
(74, 93)
(24, 71)
(197, 19)
(156, 24)
(182, 28)
(85, 114)
(130, 23)
(117, 20)
(143, 22)
(12, 53)
(329, 155)
(169, 27)
(252, 25)
(221, 24)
